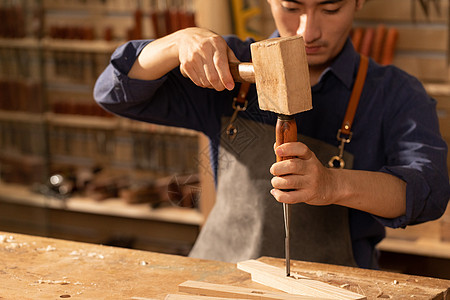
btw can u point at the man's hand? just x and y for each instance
(204, 58)
(202, 55)
(309, 181)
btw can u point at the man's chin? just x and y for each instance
(316, 62)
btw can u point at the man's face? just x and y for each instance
(324, 25)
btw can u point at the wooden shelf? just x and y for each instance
(18, 116)
(81, 121)
(28, 43)
(19, 194)
(423, 239)
(422, 246)
(94, 46)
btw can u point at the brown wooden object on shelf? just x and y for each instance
(378, 43)
(357, 36)
(389, 46)
(367, 41)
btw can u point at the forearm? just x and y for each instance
(378, 193)
(156, 59)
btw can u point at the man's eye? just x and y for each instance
(331, 11)
(289, 6)
(290, 9)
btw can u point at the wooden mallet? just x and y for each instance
(280, 71)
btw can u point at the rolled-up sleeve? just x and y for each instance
(114, 90)
(417, 154)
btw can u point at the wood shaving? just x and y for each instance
(47, 249)
(61, 282)
(6, 239)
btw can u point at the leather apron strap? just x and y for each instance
(344, 134)
(356, 95)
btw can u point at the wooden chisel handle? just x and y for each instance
(285, 132)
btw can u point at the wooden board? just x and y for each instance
(371, 283)
(228, 291)
(294, 284)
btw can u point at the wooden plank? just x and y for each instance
(295, 284)
(424, 68)
(401, 11)
(416, 38)
(413, 37)
(228, 291)
(373, 284)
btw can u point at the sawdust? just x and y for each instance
(61, 282)
(46, 249)
(82, 253)
(11, 242)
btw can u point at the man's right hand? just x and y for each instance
(202, 55)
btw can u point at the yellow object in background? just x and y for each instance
(241, 17)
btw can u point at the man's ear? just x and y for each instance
(359, 4)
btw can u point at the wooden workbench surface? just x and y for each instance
(42, 268)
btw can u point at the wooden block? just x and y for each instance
(228, 291)
(295, 284)
(282, 75)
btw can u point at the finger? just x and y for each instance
(212, 76)
(296, 149)
(188, 71)
(286, 167)
(290, 182)
(291, 197)
(224, 73)
(196, 74)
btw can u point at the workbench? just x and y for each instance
(34, 267)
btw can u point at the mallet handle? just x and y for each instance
(242, 72)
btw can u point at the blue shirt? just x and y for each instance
(395, 129)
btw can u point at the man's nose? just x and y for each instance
(308, 28)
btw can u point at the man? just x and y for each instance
(399, 175)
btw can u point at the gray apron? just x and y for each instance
(247, 222)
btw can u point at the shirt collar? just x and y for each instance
(344, 65)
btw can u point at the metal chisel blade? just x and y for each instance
(286, 214)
